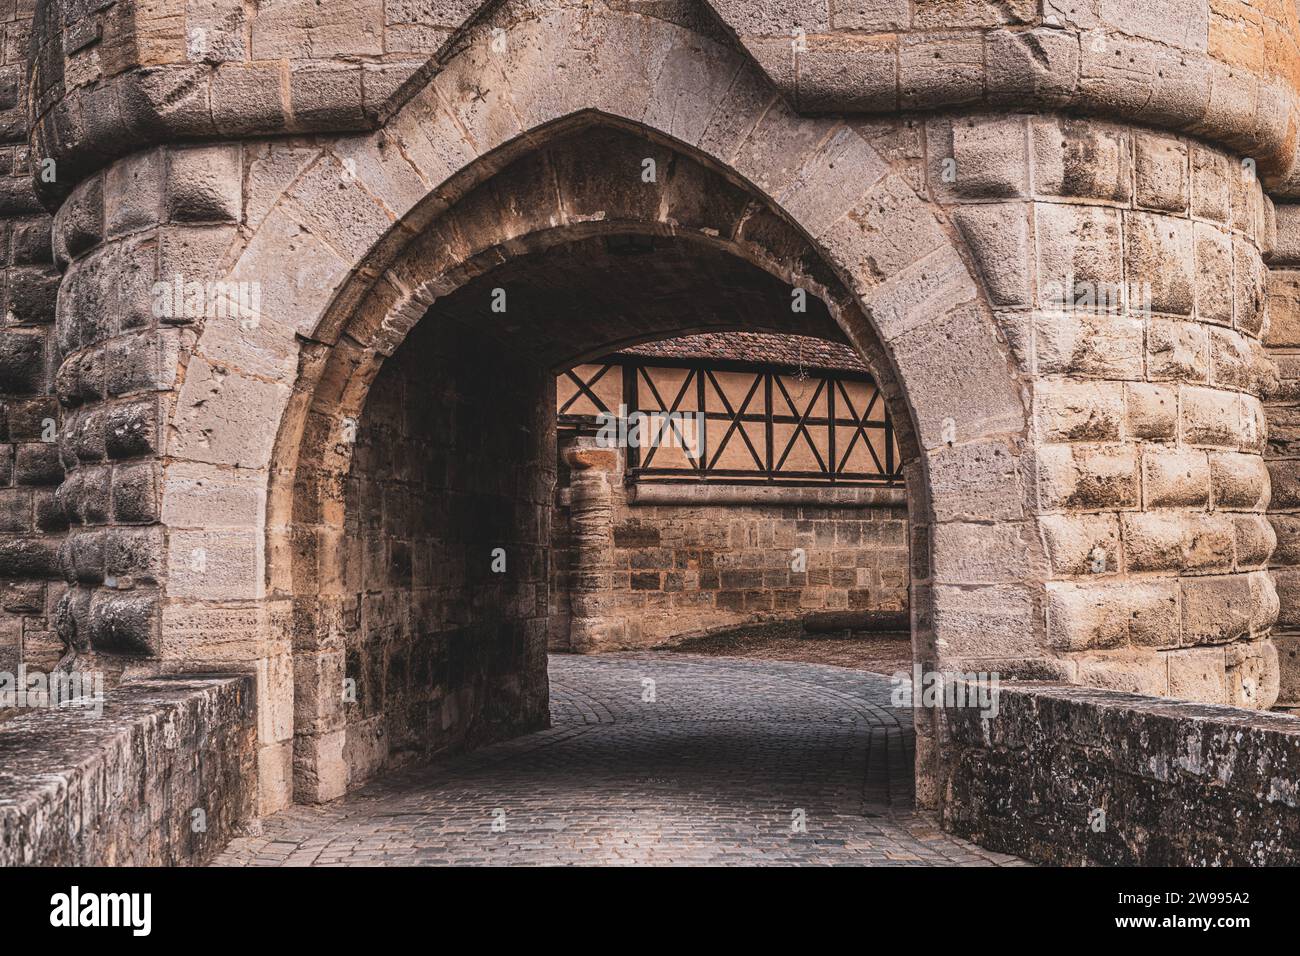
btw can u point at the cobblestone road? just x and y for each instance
(718, 768)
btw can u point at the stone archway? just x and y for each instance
(362, 222)
(1089, 479)
(311, 505)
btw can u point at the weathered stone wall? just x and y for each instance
(166, 776)
(30, 523)
(686, 560)
(1222, 68)
(1227, 70)
(1283, 409)
(1073, 776)
(442, 642)
(1148, 481)
(1087, 487)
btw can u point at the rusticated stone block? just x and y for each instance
(1219, 610)
(83, 435)
(1082, 544)
(131, 430)
(1085, 411)
(1174, 541)
(326, 96)
(1082, 159)
(939, 68)
(79, 222)
(989, 157)
(1256, 540)
(49, 514)
(1176, 477)
(1214, 290)
(1234, 362)
(1039, 64)
(1078, 245)
(1152, 412)
(1212, 174)
(83, 552)
(871, 15)
(135, 556)
(1251, 288)
(83, 502)
(1108, 614)
(1252, 674)
(1161, 173)
(1198, 674)
(125, 622)
(998, 237)
(247, 98)
(133, 193)
(204, 184)
(1177, 351)
(1211, 417)
(1159, 257)
(1088, 477)
(860, 72)
(146, 361)
(1079, 344)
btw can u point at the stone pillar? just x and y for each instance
(591, 517)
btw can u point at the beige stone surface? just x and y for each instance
(1062, 266)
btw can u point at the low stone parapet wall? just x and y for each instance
(1072, 775)
(164, 775)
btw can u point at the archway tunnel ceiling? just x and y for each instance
(585, 298)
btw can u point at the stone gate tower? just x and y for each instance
(1059, 233)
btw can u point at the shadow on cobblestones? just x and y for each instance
(651, 759)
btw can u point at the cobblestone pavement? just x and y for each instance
(718, 767)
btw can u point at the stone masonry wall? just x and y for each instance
(166, 776)
(1283, 409)
(31, 523)
(1088, 483)
(1076, 776)
(688, 560)
(1148, 481)
(445, 646)
(223, 69)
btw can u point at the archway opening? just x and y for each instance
(423, 503)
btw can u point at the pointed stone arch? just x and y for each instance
(377, 226)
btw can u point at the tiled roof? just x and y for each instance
(755, 347)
